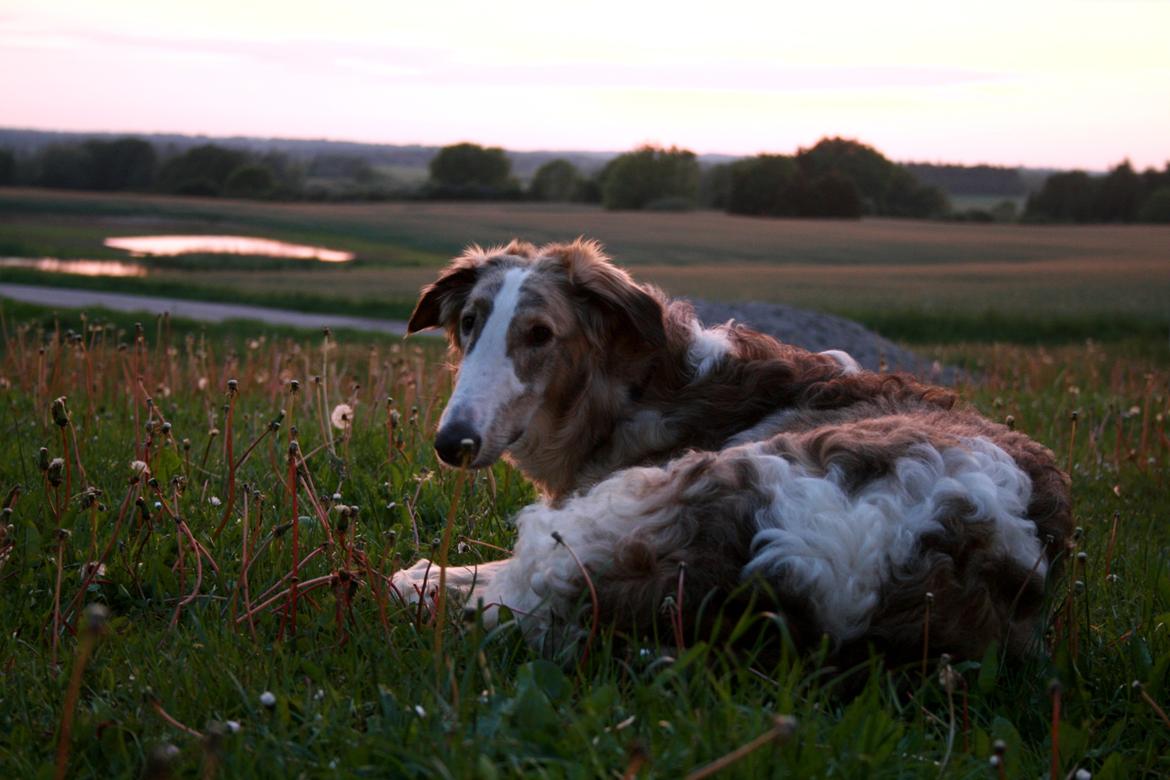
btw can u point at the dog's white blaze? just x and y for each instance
(847, 362)
(487, 378)
(839, 549)
(708, 347)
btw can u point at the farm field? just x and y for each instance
(251, 631)
(921, 281)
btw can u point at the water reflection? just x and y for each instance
(142, 246)
(79, 267)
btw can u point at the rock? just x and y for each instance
(817, 331)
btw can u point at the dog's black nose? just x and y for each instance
(451, 446)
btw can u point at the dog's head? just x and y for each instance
(530, 328)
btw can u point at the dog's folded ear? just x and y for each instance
(627, 310)
(439, 301)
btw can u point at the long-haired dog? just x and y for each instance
(720, 461)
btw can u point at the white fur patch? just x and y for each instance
(487, 378)
(839, 549)
(814, 539)
(708, 347)
(848, 364)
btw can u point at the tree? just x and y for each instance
(471, 165)
(1118, 196)
(835, 195)
(556, 180)
(122, 164)
(715, 186)
(886, 189)
(763, 186)
(201, 170)
(637, 179)
(906, 197)
(64, 166)
(7, 167)
(1156, 207)
(1065, 197)
(250, 180)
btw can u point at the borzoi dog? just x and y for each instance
(854, 504)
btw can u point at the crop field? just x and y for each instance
(236, 498)
(912, 280)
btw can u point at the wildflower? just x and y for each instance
(56, 471)
(342, 416)
(202, 383)
(60, 413)
(214, 501)
(138, 470)
(420, 711)
(233, 726)
(93, 567)
(268, 699)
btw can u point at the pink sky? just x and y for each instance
(1068, 84)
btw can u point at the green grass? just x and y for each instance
(913, 281)
(358, 690)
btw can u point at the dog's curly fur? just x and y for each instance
(836, 496)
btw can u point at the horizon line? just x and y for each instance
(553, 150)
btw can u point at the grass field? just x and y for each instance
(920, 281)
(197, 567)
(252, 633)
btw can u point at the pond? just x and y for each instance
(79, 267)
(168, 246)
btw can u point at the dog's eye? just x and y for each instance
(467, 323)
(539, 336)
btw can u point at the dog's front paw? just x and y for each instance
(413, 583)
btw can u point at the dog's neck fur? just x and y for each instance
(646, 410)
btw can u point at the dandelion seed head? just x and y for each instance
(268, 699)
(342, 416)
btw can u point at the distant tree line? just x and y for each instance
(980, 180)
(131, 164)
(836, 178)
(1122, 195)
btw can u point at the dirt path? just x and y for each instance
(812, 330)
(206, 311)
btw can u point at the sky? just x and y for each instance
(1077, 83)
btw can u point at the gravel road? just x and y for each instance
(205, 311)
(809, 329)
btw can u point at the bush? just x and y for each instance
(648, 174)
(470, 166)
(556, 180)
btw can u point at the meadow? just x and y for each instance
(236, 497)
(910, 280)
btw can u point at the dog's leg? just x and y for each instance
(470, 586)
